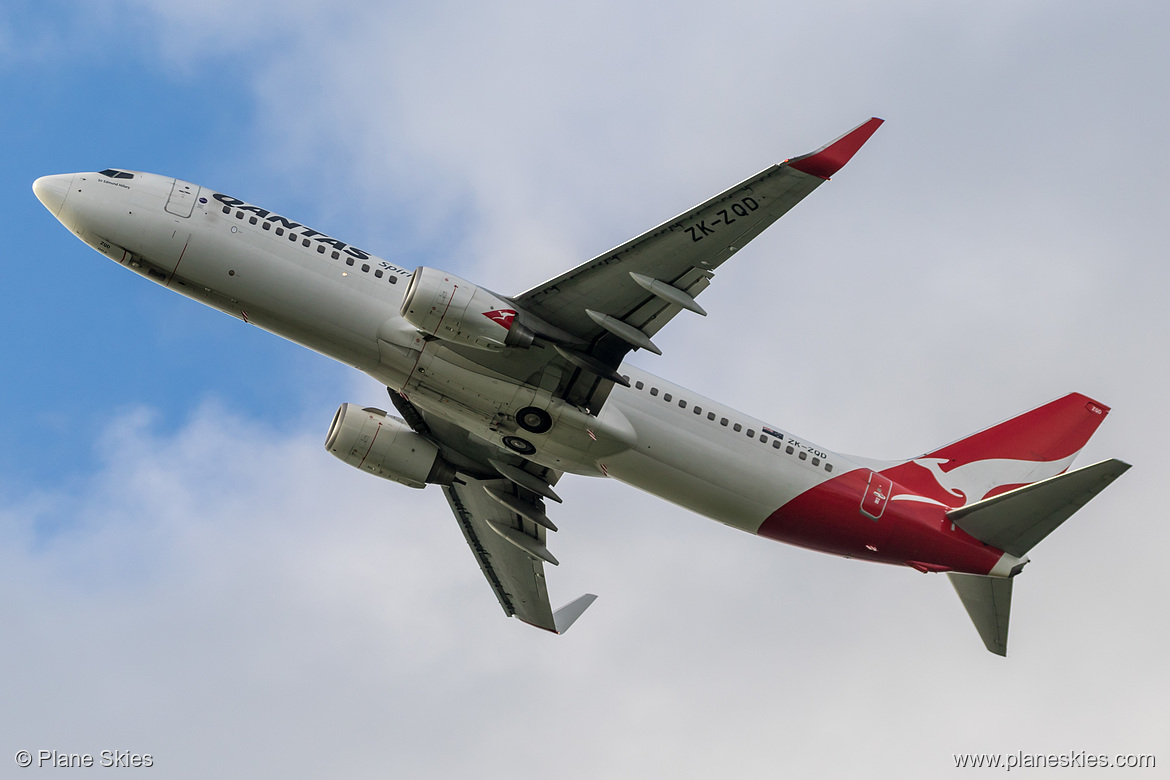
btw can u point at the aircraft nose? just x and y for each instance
(51, 191)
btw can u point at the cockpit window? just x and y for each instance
(113, 174)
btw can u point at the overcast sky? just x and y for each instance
(185, 572)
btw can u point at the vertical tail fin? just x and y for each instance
(1028, 448)
(1007, 486)
(1015, 522)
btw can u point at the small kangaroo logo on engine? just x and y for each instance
(502, 317)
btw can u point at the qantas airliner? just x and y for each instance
(498, 396)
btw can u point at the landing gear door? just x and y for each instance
(182, 198)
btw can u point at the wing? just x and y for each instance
(495, 535)
(585, 322)
(683, 252)
(497, 500)
(618, 300)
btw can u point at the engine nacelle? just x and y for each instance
(454, 309)
(373, 441)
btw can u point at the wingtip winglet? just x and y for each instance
(564, 617)
(831, 158)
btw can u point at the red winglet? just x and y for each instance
(827, 160)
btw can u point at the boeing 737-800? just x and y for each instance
(500, 396)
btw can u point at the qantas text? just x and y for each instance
(307, 232)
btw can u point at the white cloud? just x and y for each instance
(231, 599)
(222, 593)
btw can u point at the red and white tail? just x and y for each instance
(1031, 447)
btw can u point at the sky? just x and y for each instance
(185, 572)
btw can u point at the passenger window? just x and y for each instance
(227, 210)
(828, 467)
(682, 404)
(723, 422)
(698, 410)
(305, 242)
(710, 415)
(335, 255)
(266, 226)
(239, 215)
(378, 273)
(349, 261)
(751, 434)
(653, 391)
(394, 280)
(816, 461)
(639, 384)
(666, 397)
(252, 220)
(365, 268)
(293, 236)
(775, 444)
(789, 449)
(763, 439)
(737, 427)
(625, 378)
(803, 455)
(280, 231)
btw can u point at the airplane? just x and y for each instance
(499, 396)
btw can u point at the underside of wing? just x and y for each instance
(620, 299)
(507, 548)
(498, 501)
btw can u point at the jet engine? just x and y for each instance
(454, 309)
(373, 441)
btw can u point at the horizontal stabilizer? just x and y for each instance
(1018, 520)
(568, 614)
(988, 600)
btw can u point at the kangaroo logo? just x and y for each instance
(976, 480)
(502, 317)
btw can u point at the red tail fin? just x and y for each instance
(1035, 445)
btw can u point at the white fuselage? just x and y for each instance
(485, 380)
(344, 302)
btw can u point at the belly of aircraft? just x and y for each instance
(726, 477)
